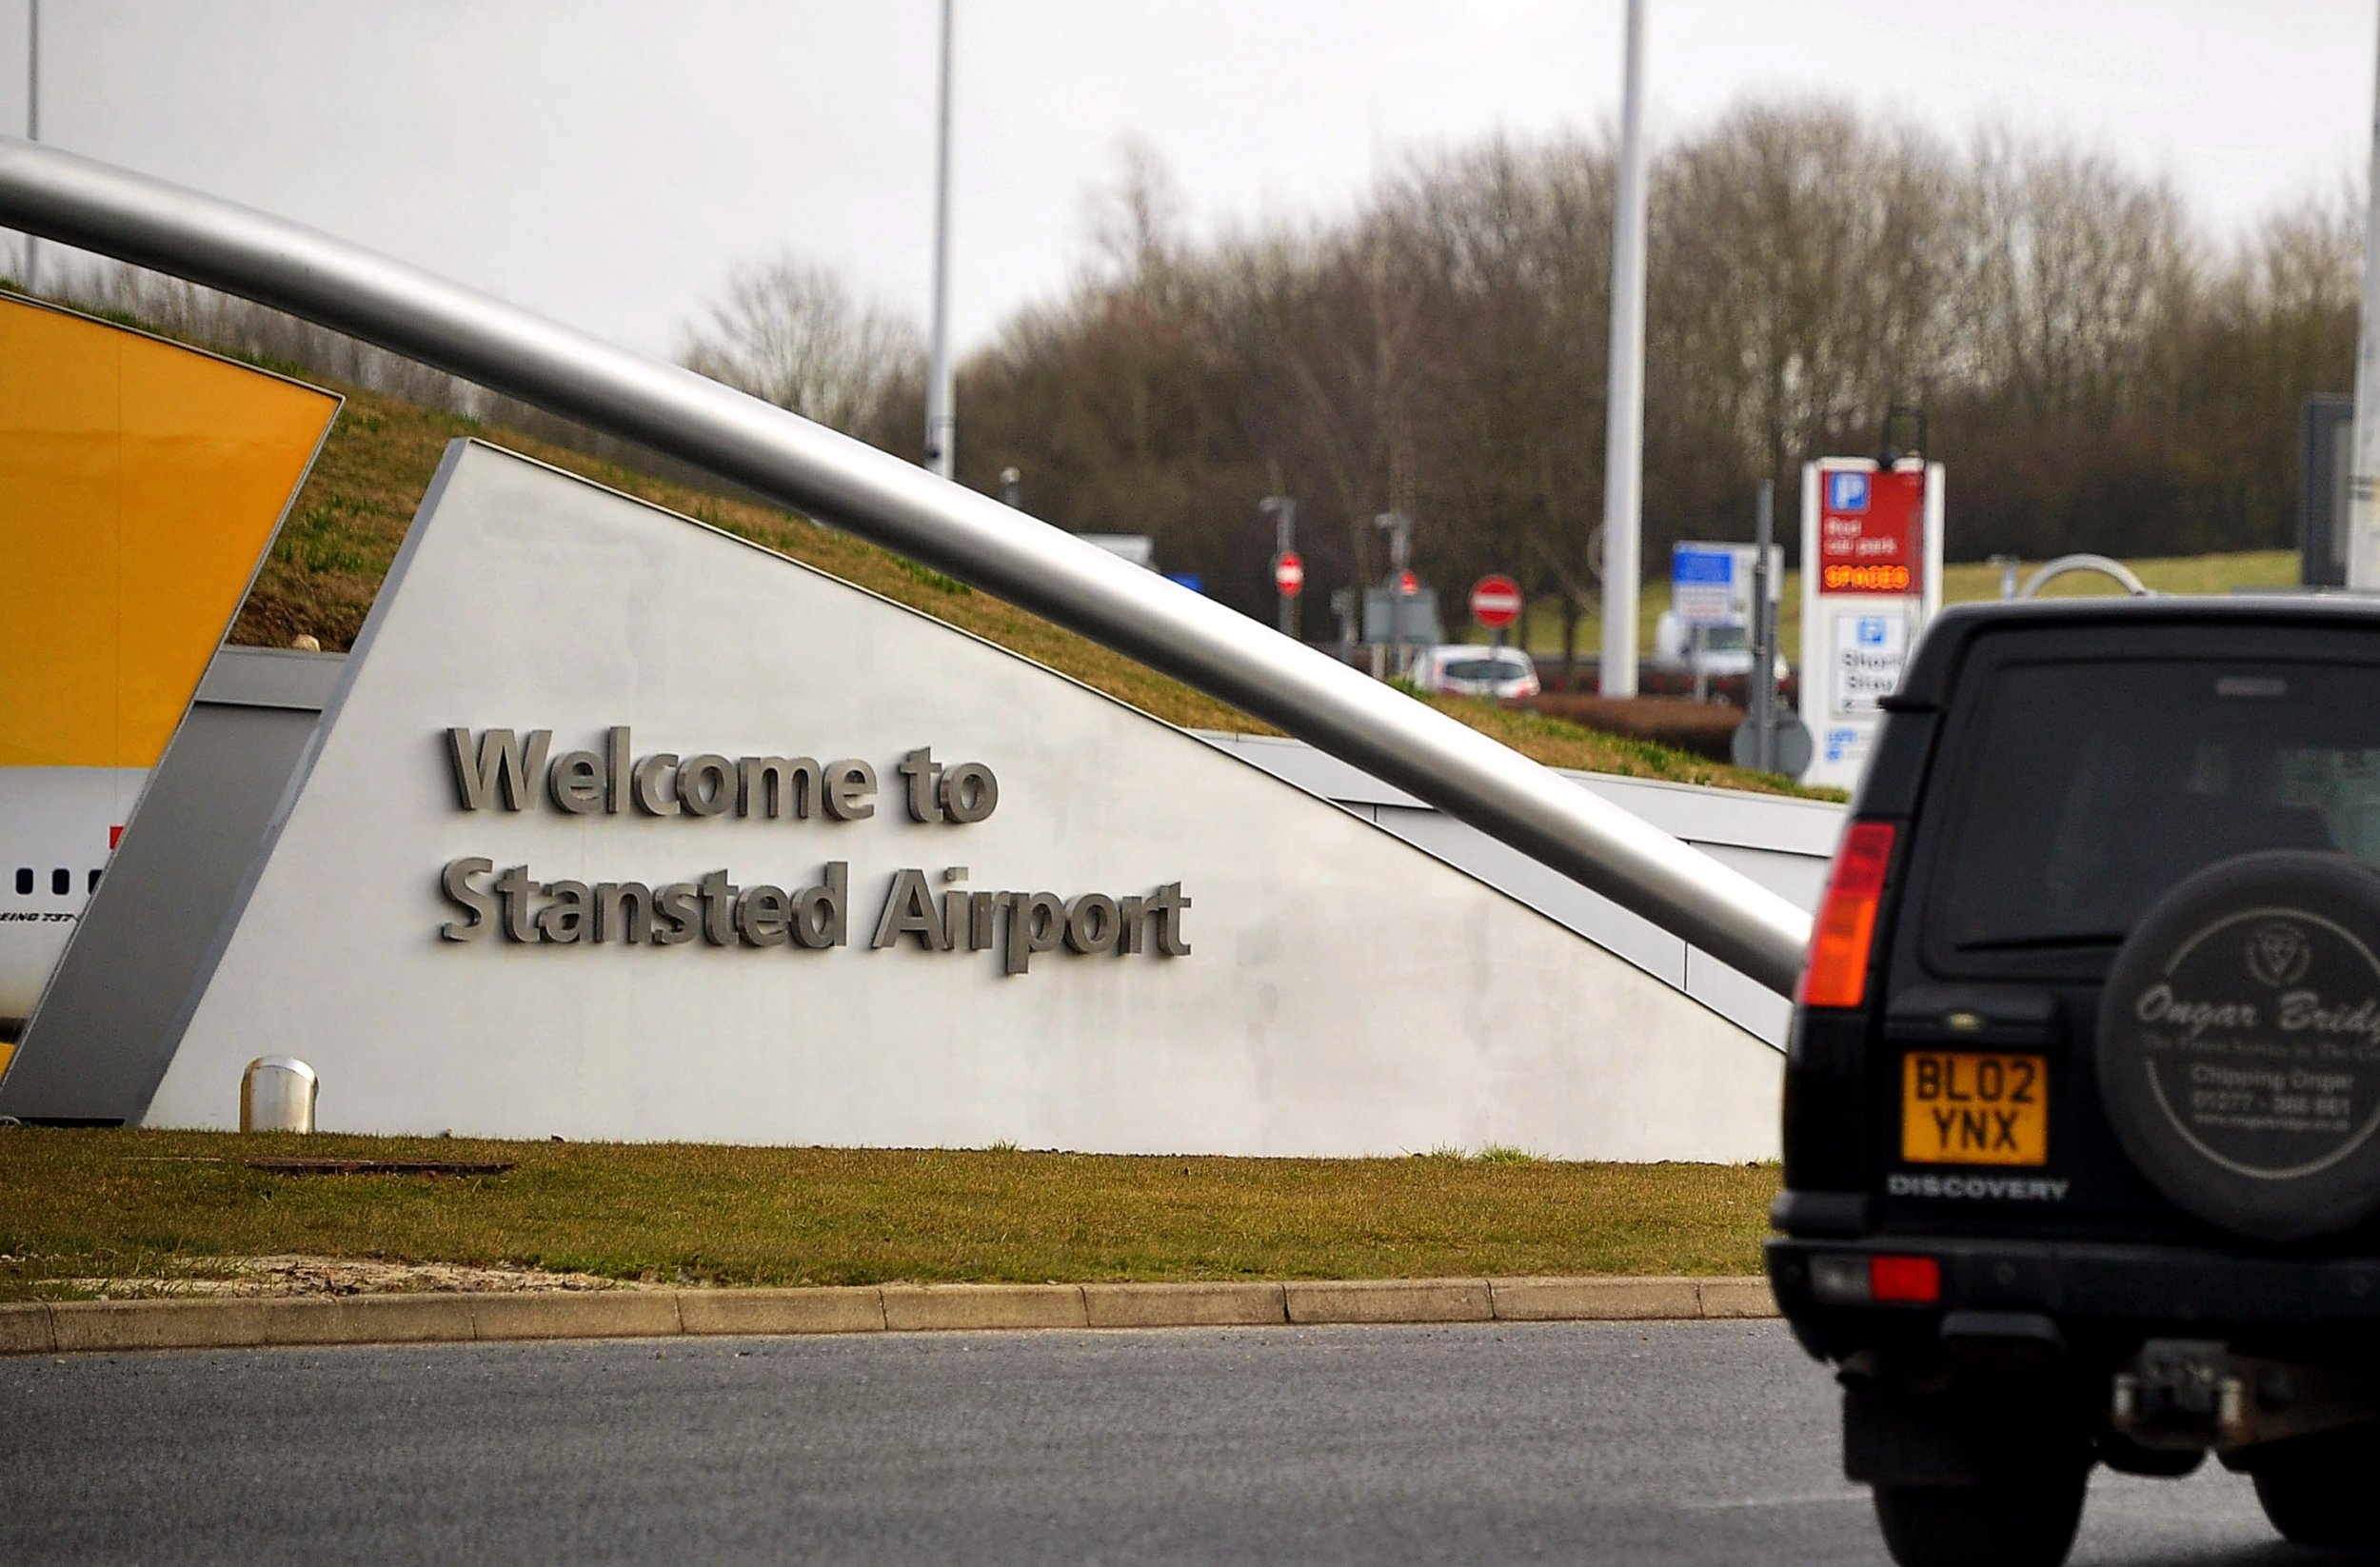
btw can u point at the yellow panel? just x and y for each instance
(139, 485)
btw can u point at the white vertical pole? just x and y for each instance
(1623, 439)
(1817, 651)
(2363, 505)
(33, 120)
(1929, 602)
(941, 420)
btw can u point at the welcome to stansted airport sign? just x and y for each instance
(775, 859)
(498, 770)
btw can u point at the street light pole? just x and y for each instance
(1399, 530)
(33, 119)
(1283, 509)
(941, 419)
(1623, 430)
(2362, 490)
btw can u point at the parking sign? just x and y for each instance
(1871, 577)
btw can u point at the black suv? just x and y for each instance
(2080, 1110)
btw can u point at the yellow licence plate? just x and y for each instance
(1959, 1107)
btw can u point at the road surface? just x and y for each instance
(1652, 1443)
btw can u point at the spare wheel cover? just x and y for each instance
(2240, 1044)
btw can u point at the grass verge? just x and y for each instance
(1962, 583)
(79, 1207)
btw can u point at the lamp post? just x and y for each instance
(942, 418)
(1623, 430)
(33, 120)
(1283, 510)
(2362, 490)
(1399, 530)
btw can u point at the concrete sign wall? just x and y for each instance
(620, 827)
(1783, 843)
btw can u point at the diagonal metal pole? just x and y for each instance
(974, 538)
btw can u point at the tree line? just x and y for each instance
(2096, 371)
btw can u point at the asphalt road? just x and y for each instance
(1667, 1443)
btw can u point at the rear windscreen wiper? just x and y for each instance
(2030, 943)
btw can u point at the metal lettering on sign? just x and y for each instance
(496, 771)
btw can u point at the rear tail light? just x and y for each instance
(1838, 975)
(1848, 1279)
(1914, 1280)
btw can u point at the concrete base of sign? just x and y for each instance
(990, 905)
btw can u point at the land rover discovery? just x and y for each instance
(2084, 1082)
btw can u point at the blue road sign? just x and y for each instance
(1702, 584)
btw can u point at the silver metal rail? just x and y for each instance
(2066, 565)
(77, 201)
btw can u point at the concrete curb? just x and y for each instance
(43, 1327)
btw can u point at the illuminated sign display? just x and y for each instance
(1872, 533)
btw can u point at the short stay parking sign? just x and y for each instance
(1871, 578)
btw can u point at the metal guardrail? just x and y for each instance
(2066, 565)
(81, 202)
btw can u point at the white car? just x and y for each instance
(1725, 654)
(1466, 670)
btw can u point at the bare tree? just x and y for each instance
(792, 333)
(1801, 261)
(2079, 270)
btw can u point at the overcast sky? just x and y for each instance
(605, 161)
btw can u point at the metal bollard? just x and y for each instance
(277, 1095)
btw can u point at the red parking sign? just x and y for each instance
(1872, 531)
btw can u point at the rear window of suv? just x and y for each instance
(2083, 790)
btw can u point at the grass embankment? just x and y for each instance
(80, 1208)
(352, 513)
(1961, 584)
(348, 520)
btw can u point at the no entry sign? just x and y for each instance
(1495, 602)
(1289, 573)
